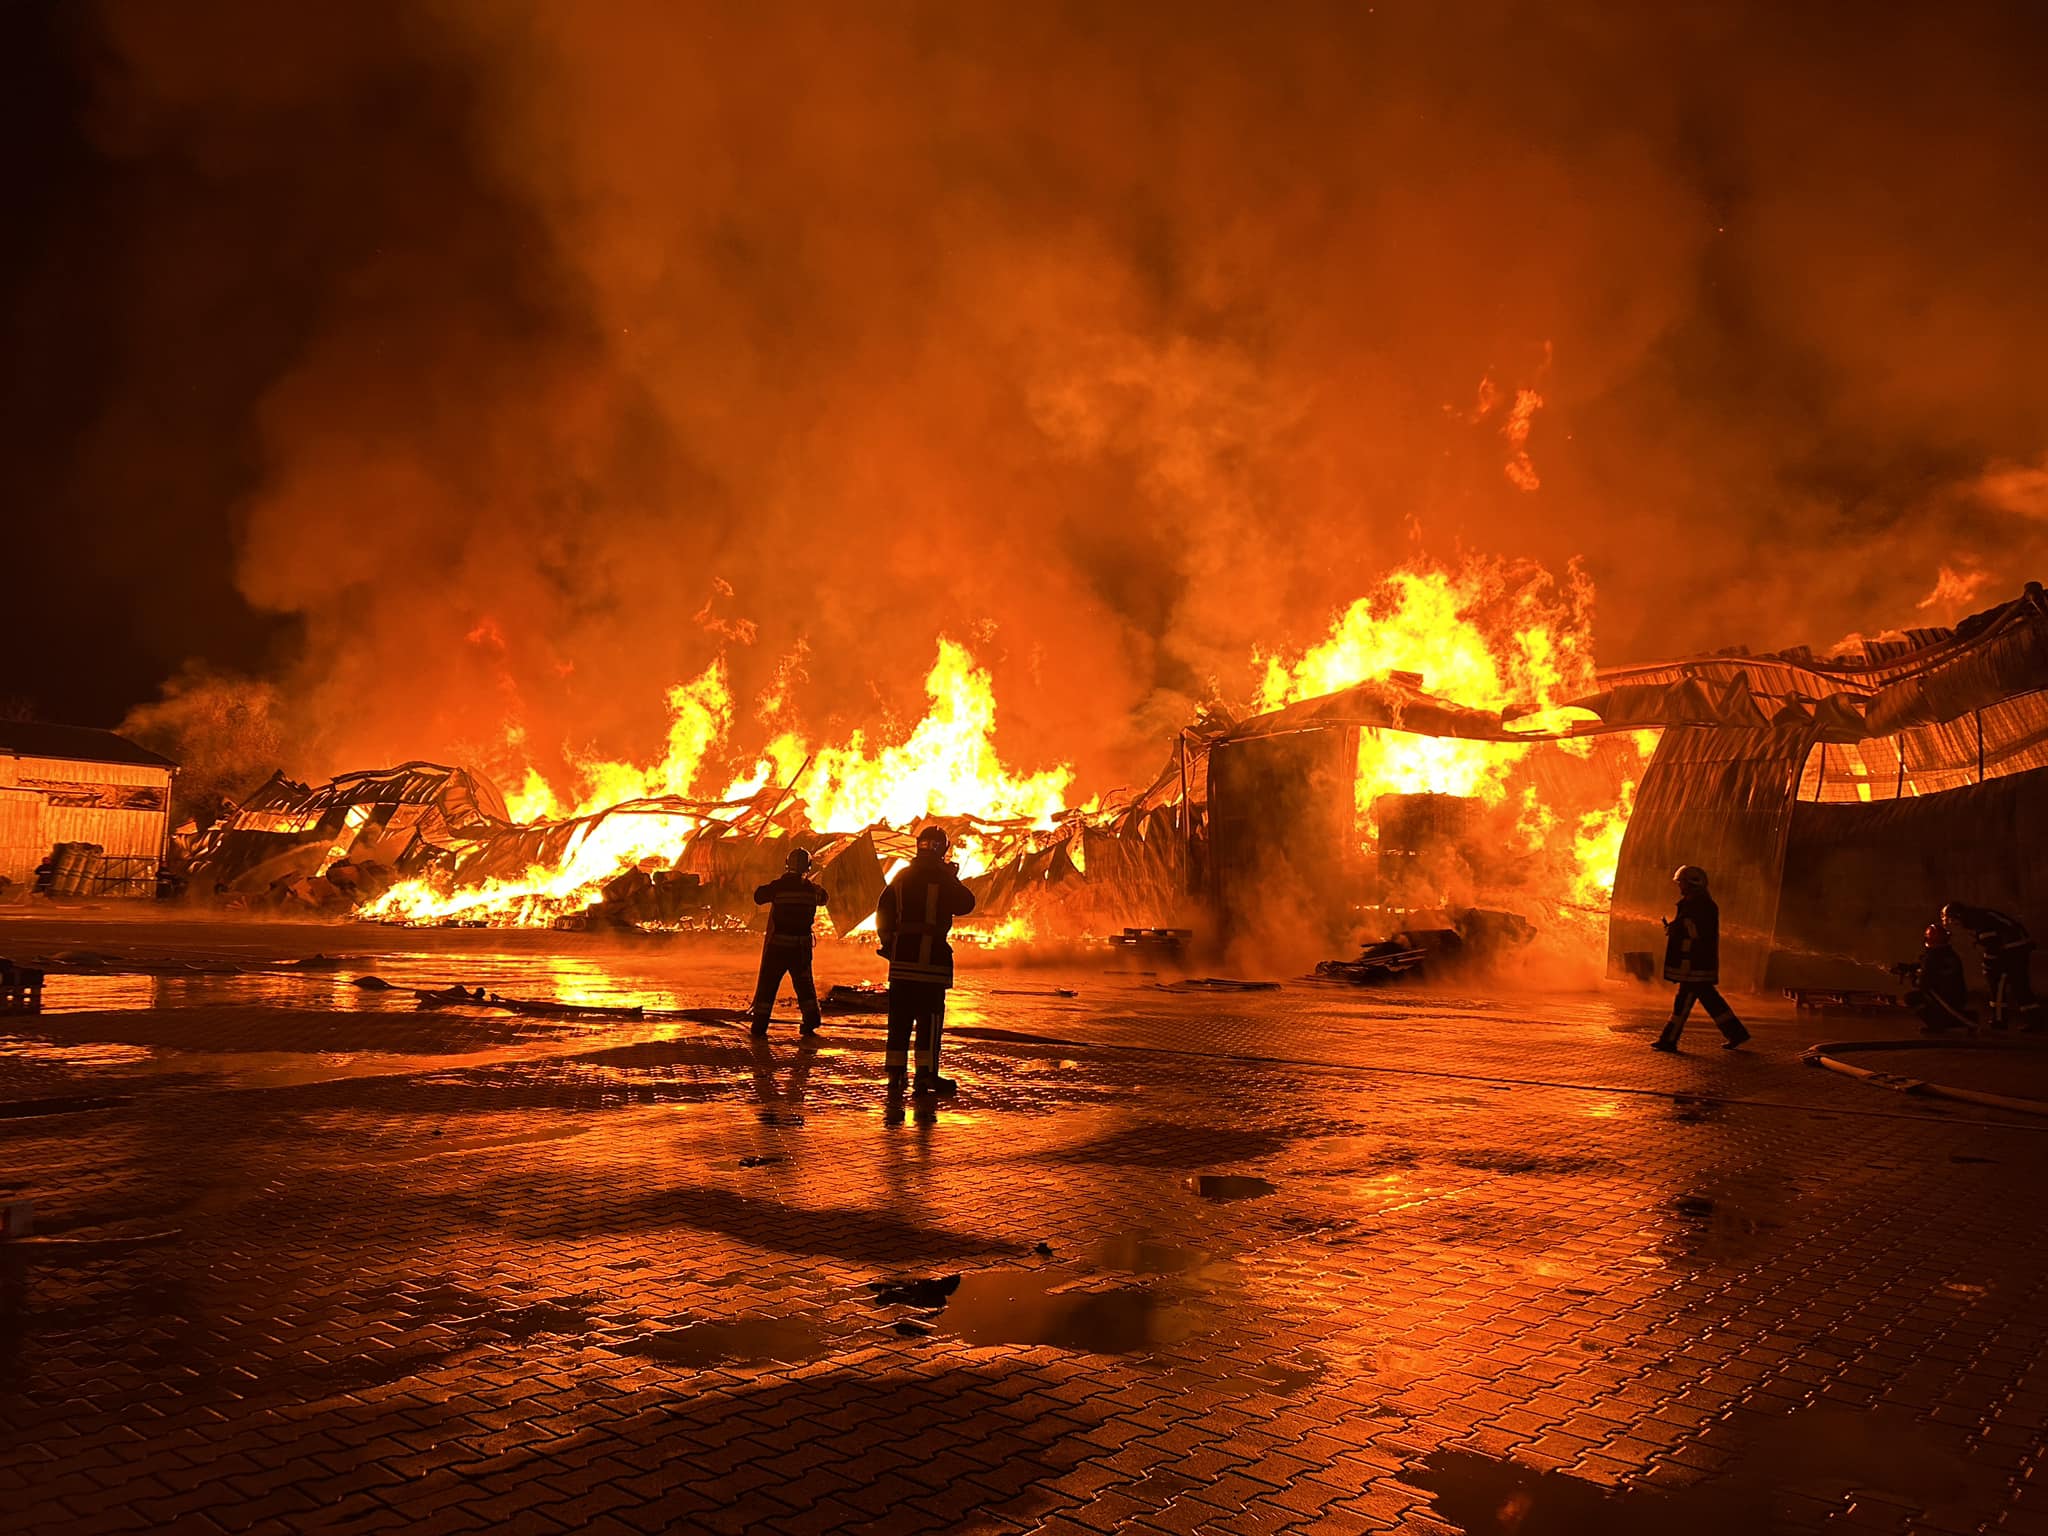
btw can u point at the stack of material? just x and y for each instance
(75, 868)
(639, 898)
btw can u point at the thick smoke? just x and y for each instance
(1117, 341)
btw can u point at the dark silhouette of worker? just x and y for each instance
(912, 919)
(1692, 958)
(2008, 952)
(792, 899)
(1935, 986)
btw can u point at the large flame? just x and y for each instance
(946, 765)
(1498, 637)
(1485, 634)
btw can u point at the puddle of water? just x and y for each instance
(1142, 1256)
(1018, 1306)
(929, 1294)
(1844, 1451)
(90, 1053)
(746, 1341)
(1230, 1186)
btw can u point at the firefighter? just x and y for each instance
(1692, 958)
(792, 899)
(2008, 952)
(1936, 989)
(912, 920)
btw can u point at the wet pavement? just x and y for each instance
(306, 1255)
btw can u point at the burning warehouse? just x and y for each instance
(1899, 774)
(1213, 591)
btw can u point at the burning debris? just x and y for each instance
(1500, 785)
(1476, 941)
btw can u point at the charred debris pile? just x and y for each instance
(441, 836)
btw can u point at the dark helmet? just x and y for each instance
(799, 861)
(1936, 936)
(933, 839)
(1691, 877)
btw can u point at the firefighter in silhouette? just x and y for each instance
(2008, 951)
(912, 920)
(1935, 987)
(1692, 958)
(792, 899)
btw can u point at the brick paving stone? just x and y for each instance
(369, 1268)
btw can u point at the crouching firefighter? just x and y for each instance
(912, 920)
(1692, 958)
(2008, 952)
(792, 899)
(1935, 987)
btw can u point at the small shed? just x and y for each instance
(75, 784)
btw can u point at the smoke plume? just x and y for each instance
(1114, 341)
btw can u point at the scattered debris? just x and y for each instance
(1688, 1109)
(460, 996)
(766, 1160)
(1378, 962)
(1218, 984)
(1845, 1000)
(1475, 937)
(455, 992)
(859, 998)
(1165, 941)
(1696, 1206)
(930, 1295)
(1033, 992)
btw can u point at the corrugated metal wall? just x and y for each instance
(120, 834)
(1862, 881)
(24, 770)
(1721, 799)
(30, 826)
(21, 834)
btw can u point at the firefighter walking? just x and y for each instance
(2008, 952)
(792, 899)
(912, 920)
(1692, 958)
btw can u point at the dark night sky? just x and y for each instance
(339, 337)
(115, 581)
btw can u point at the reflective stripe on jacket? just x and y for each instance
(792, 903)
(1692, 941)
(914, 917)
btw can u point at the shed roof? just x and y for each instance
(77, 743)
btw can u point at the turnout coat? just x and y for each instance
(914, 917)
(1692, 942)
(792, 903)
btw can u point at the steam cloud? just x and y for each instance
(1117, 341)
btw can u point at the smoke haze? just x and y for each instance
(1117, 342)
